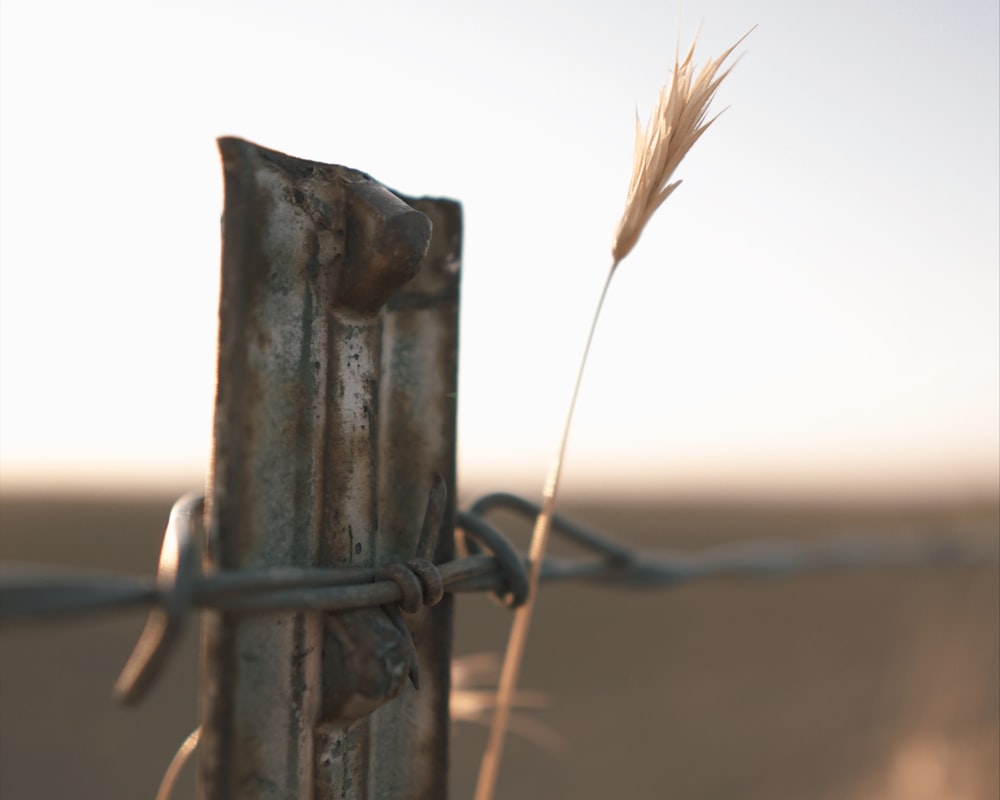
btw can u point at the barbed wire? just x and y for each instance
(30, 592)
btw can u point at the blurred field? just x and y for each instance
(853, 686)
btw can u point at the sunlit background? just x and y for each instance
(815, 309)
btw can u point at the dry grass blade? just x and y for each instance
(475, 705)
(676, 124)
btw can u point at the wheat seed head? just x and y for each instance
(675, 125)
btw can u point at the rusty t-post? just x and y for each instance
(335, 409)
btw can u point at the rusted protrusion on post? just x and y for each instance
(335, 409)
(386, 239)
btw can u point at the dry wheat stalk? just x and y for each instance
(675, 125)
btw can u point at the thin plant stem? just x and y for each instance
(490, 768)
(177, 764)
(676, 124)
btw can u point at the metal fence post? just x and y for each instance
(335, 408)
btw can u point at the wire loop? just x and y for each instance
(478, 534)
(176, 577)
(408, 583)
(430, 578)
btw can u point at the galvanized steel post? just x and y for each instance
(335, 408)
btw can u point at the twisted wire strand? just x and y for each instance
(29, 592)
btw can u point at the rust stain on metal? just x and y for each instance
(335, 407)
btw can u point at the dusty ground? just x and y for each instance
(835, 686)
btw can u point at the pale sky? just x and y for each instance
(816, 308)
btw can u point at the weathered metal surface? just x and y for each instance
(417, 414)
(335, 408)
